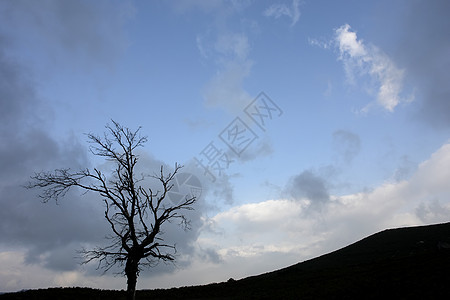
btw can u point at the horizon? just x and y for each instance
(303, 126)
(352, 245)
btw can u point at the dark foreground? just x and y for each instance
(404, 263)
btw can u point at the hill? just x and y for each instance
(412, 262)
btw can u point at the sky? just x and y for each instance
(307, 124)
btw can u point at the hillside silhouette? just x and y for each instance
(402, 263)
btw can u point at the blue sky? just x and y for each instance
(358, 140)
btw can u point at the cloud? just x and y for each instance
(346, 144)
(226, 89)
(42, 232)
(46, 236)
(421, 47)
(210, 6)
(405, 169)
(226, 49)
(321, 43)
(282, 226)
(46, 230)
(49, 234)
(185, 6)
(310, 186)
(89, 33)
(264, 214)
(263, 147)
(15, 88)
(26, 148)
(360, 60)
(280, 10)
(232, 46)
(230, 53)
(433, 211)
(214, 187)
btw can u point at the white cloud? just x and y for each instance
(267, 212)
(279, 10)
(361, 59)
(228, 46)
(288, 227)
(325, 44)
(228, 50)
(348, 42)
(235, 46)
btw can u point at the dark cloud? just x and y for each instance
(87, 32)
(423, 47)
(432, 212)
(50, 234)
(261, 147)
(214, 187)
(346, 144)
(26, 147)
(25, 151)
(58, 259)
(211, 255)
(222, 190)
(47, 229)
(311, 186)
(15, 89)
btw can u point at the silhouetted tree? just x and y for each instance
(135, 214)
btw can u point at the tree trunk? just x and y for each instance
(131, 271)
(131, 287)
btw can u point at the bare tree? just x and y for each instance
(135, 214)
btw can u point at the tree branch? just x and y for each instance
(134, 214)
